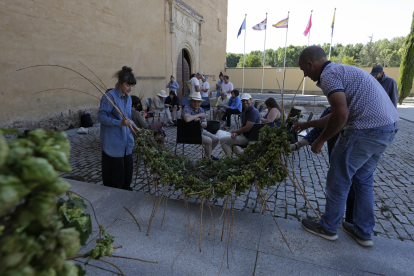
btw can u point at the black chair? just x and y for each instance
(213, 126)
(294, 112)
(254, 133)
(188, 133)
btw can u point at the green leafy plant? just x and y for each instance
(385, 207)
(34, 239)
(406, 75)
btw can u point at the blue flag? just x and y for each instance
(242, 27)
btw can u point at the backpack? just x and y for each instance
(86, 120)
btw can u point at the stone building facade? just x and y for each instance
(156, 38)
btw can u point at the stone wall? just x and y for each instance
(104, 35)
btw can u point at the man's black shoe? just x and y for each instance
(315, 228)
(214, 158)
(349, 229)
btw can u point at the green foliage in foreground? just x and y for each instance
(264, 161)
(36, 233)
(406, 75)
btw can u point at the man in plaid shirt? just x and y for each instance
(366, 120)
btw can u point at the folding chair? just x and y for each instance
(148, 103)
(206, 105)
(188, 133)
(185, 101)
(307, 130)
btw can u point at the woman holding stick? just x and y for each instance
(117, 140)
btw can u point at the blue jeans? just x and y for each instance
(354, 158)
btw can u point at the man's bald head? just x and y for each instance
(312, 53)
(311, 62)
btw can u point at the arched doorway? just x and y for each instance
(183, 73)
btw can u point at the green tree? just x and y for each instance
(233, 59)
(406, 75)
(251, 61)
(335, 59)
(369, 54)
(348, 60)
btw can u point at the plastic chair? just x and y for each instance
(188, 133)
(254, 133)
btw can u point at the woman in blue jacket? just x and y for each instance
(117, 140)
(234, 106)
(173, 85)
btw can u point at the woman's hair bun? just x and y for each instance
(126, 69)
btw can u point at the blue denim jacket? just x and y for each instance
(235, 103)
(116, 141)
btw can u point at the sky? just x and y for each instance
(355, 21)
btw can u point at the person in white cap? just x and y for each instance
(240, 136)
(194, 85)
(204, 87)
(157, 103)
(194, 112)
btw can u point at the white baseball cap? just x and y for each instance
(246, 96)
(200, 72)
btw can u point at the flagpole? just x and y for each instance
(304, 79)
(244, 51)
(264, 55)
(330, 46)
(284, 72)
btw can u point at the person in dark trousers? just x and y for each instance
(172, 105)
(117, 140)
(234, 106)
(389, 85)
(308, 140)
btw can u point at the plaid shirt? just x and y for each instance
(369, 105)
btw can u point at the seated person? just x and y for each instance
(219, 110)
(240, 136)
(136, 114)
(157, 103)
(194, 112)
(234, 106)
(274, 111)
(172, 103)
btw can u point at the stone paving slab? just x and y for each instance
(311, 255)
(393, 179)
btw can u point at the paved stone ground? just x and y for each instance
(393, 180)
